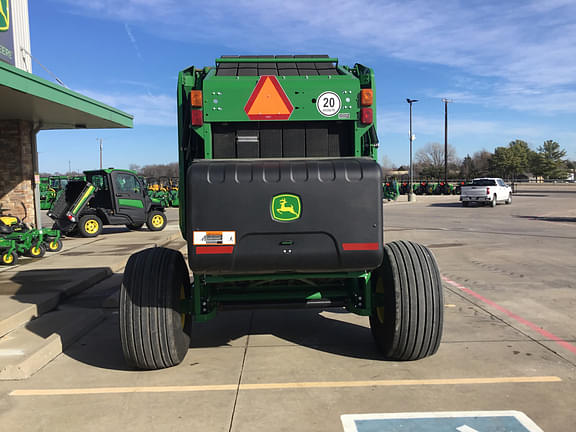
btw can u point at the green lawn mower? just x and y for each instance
(17, 239)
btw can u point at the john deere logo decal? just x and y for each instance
(4, 15)
(286, 207)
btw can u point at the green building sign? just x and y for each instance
(6, 34)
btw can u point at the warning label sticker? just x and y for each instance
(328, 104)
(210, 238)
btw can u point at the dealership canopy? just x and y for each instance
(28, 97)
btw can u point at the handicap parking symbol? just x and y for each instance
(460, 421)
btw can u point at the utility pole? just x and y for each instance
(446, 102)
(410, 187)
(100, 139)
(69, 167)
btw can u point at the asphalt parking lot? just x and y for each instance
(509, 343)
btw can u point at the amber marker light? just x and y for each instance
(366, 97)
(196, 98)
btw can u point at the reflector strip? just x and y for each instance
(360, 246)
(211, 250)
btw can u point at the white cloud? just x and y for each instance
(147, 109)
(461, 128)
(527, 46)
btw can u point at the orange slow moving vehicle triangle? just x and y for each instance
(268, 101)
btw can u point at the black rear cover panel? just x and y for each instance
(341, 203)
(314, 139)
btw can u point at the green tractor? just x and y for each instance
(391, 190)
(106, 197)
(281, 206)
(47, 194)
(58, 183)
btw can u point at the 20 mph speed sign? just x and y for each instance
(328, 104)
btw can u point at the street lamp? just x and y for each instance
(100, 140)
(410, 188)
(446, 102)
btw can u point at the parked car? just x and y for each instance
(486, 190)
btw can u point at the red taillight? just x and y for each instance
(366, 115)
(197, 119)
(487, 191)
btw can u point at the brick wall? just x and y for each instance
(16, 169)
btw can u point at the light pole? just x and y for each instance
(410, 187)
(446, 102)
(100, 139)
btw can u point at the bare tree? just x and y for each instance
(166, 170)
(430, 160)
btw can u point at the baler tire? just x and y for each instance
(153, 332)
(89, 226)
(407, 319)
(153, 221)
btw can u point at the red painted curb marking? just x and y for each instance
(512, 315)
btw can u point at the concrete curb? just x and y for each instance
(25, 350)
(16, 312)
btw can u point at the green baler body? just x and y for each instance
(225, 103)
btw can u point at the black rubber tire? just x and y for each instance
(82, 226)
(149, 220)
(37, 251)
(5, 257)
(509, 200)
(54, 245)
(134, 227)
(408, 314)
(493, 202)
(465, 203)
(151, 329)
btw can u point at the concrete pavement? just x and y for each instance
(36, 287)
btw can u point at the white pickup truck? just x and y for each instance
(486, 190)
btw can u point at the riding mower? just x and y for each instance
(17, 238)
(157, 192)
(168, 192)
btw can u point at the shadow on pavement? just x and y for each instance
(548, 218)
(59, 280)
(449, 204)
(101, 347)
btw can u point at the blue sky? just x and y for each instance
(509, 67)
